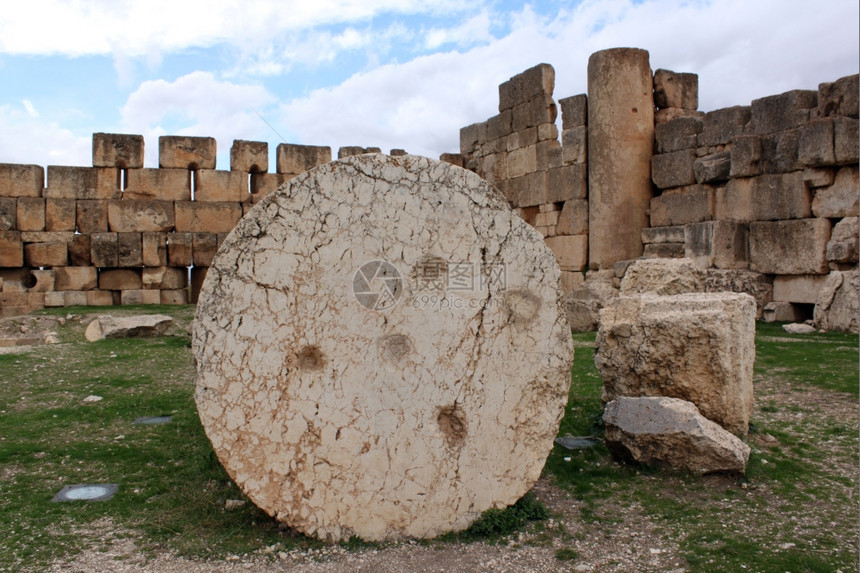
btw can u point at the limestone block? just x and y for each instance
(837, 305)
(574, 111)
(781, 112)
(21, 180)
(120, 279)
(472, 136)
(673, 169)
(80, 251)
(798, 288)
(264, 183)
(60, 214)
(531, 113)
(782, 312)
(249, 156)
(536, 81)
(719, 244)
(746, 156)
(843, 246)
(104, 250)
(722, 125)
(99, 298)
(663, 235)
(75, 278)
(55, 254)
(582, 305)
(570, 280)
(452, 158)
(678, 134)
(668, 114)
(46, 237)
(179, 249)
(662, 277)
(574, 145)
(819, 177)
(138, 216)
(411, 413)
(31, 214)
(294, 159)
(839, 98)
(44, 281)
(158, 184)
(139, 296)
(8, 214)
(780, 152)
(174, 296)
(522, 161)
(669, 432)
(227, 186)
(764, 198)
(111, 327)
(846, 140)
(164, 278)
(91, 216)
(790, 247)
(757, 285)
(620, 145)
(837, 200)
(203, 247)
(690, 204)
(530, 189)
(200, 217)
(129, 250)
(712, 168)
(547, 218)
(570, 251)
(183, 152)
(82, 182)
(567, 183)
(698, 347)
(816, 143)
(55, 299)
(350, 150)
(664, 251)
(154, 249)
(673, 89)
(501, 125)
(548, 154)
(573, 218)
(73, 298)
(118, 150)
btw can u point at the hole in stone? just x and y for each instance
(29, 280)
(453, 424)
(311, 358)
(86, 492)
(635, 110)
(394, 347)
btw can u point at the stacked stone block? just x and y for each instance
(769, 189)
(545, 180)
(119, 233)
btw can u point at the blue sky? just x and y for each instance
(387, 73)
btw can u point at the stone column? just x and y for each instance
(620, 144)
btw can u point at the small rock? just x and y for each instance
(107, 326)
(787, 546)
(798, 328)
(231, 504)
(93, 398)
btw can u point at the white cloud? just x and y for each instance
(473, 31)
(28, 105)
(196, 104)
(29, 139)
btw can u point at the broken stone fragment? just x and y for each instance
(663, 277)
(107, 326)
(670, 432)
(368, 336)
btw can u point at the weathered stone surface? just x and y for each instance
(846, 140)
(31, 214)
(663, 277)
(229, 186)
(582, 305)
(698, 347)
(128, 216)
(782, 112)
(179, 249)
(673, 169)
(816, 143)
(673, 89)
(203, 248)
(678, 134)
(118, 150)
(757, 285)
(350, 150)
(200, 217)
(574, 111)
(712, 168)
(573, 219)
(294, 159)
(129, 250)
(249, 156)
(844, 245)
(60, 214)
(781, 312)
(91, 216)
(566, 183)
(107, 326)
(669, 432)
(53, 254)
(839, 98)
(663, 235)
(798, 328)
(21, 180)
(120, 279)
(80, 251)
(837, 305)
(764, 198)
(620, 145)
(746, 156)
(722, 125)
(839, 199)
(535, 81)
(574, 145)
(8, 213)
(165, 278)
(160, 184)
(790, 247)
(184, 152)
(720, 244)
(341, 420)
(264, 183)
(797, 288)
(82, 182)
(664, 251)
(570, 251)
(683, 205)
(104, 250)
(780, 152)
(75, 278)
(668, 114)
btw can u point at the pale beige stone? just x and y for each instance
(118, 150)
(107, 326)
(404, 421)
(838, 200)
(249, 156)
(698, 347)
(211, 185)
(663, 277)
(670, 432)
(137, 216)
(790, 247)
(21, 180)
(757, 285)
(160, 184)
(184, 152)
(781, 312)
(582, 305)
(620, 145)
(837, 306)
(167, 278)
(76, 278)
(207, 217)
(571, 251)
(798, 288)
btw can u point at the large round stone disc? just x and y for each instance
(382, 351)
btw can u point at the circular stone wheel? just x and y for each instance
(381, 350)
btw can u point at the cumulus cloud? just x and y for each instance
(29, 139)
